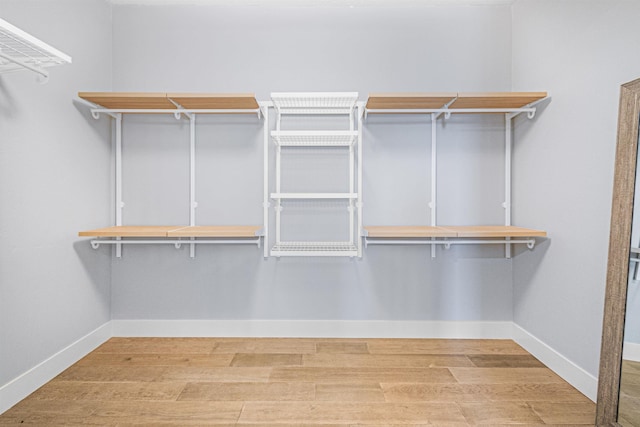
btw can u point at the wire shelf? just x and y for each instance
(314, 249)
(314, 138)
(314, 102)
(20, 50)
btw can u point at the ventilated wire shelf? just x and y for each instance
(314, 138)
(314, 249)
(315, 102)
(20, 50)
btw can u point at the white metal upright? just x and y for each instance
(507, 177)
(265, 201)
(359, 201)
(193, 204)
(118, 178)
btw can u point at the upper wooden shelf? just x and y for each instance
(408, 231)
(174, 231)
(452, 101)
(406, 101)
(216, 231)
(162, 101)
(477, 231)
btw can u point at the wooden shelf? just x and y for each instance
(407, 101)
(131, 231)
(434, 101)
(496, 99)
(217, 231)
(495, 231)
(173, 231)
(408, 231)
(478, 231)
(162, 101)
(224, 101)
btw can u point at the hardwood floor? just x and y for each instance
(297, 382)
(629, 409)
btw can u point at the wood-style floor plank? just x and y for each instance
(233, 374)
(501, 375)
(79, 390)
(157, 359)
(499, 413)
(443, 346)
(350, 412)
(264, 360)
(267, 345)
(386, 360)
(362, 375)
(505, 361)
(530, 392)
(158, 346)
(565, 412)
(224, 391)
(365, 392)
(285, 382)
(344, 347)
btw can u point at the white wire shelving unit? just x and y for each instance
(20, 50)
(442, 106)
(317, 104)
(183, 106)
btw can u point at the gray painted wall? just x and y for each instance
(581, 52)
(54, 181)
(257, 49)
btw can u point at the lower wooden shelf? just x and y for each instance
(448, 235)
(477, 231)
(174, 231)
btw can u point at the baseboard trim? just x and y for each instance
(586, 383)
(22, 386)
(631, 351)
(312, 329)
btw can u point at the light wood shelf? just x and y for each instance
(495, 231)
(217, 231)
(162, 101)
(130, 231)
(496, 99)
(408, 231)
(477, 231)
(429, 101)
(402, 101)
(173, 231)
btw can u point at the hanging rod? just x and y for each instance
(95, 243)
(447, 243)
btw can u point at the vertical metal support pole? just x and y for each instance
(359, 200)
(352, 183)
(265, 200)
(118, 177)
(278, 201)
(507, 178)
(192, 176)
(434, 175)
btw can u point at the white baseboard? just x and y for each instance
(312, 329)
(631, 351)
(22, 386)
(586, 383)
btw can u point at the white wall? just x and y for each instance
(581, 52)
(54, 179)
(368, 49)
